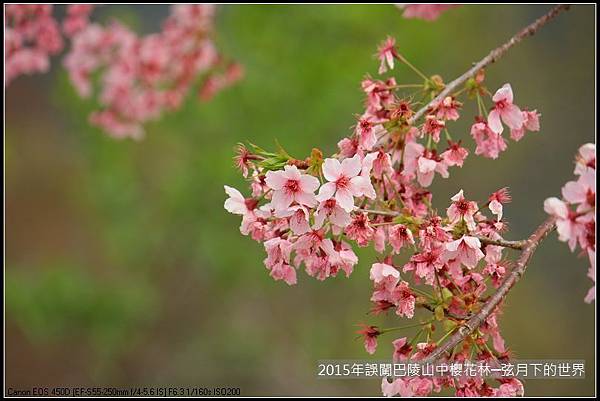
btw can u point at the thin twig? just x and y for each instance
(503, 243)
(515, 275)
(493, 56)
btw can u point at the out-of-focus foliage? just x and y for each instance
(125, 246)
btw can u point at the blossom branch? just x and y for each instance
(492, 57)
(515, 275)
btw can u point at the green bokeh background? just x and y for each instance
(123, 268)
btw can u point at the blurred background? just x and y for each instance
(123, 268)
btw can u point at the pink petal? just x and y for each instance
(332, 169)
(292, 172)
(281, 200)
(351, 167)
(556, 207)
(309, 183)
(494, 122)
(235, 203)
(304, 198)
(425, 179)
(512, 116)
(574, 192)
(340, 217)
(345, 199)
(504, 93)
(326, 191)
(275, 179)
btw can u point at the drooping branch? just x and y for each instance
(529, 247)
(492, 56)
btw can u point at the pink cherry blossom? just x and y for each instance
(582, 191)
(341, 257)
(567, 226)
(330, 209)
(504, 109)
(386, 54)
(586, 158)
(466, 249)
(400, 235)
(278, 259)
(402, 350)
(367, 133)
(385, 278)
(298, 218)
(432, 234)
(510, 388)
(348, 146)
(425, 264)
(423, 163)
(455, 155)
(360, 230)
(236, 203)
(344, 181)
(489, 143)
(462, 210)
(433, 127)
(369, 334)
(447, 109)
(428, 12)
(531, 122)
(404, 299)
(384, 275)
(379, 96)
(290, 186)
(497, 199)
(382, 164)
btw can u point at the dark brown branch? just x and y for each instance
(529, 247)
(492, 57)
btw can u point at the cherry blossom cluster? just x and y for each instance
(428, 12)
(31, 36)
(576, 212)
(373, 192)
(133, 77)
(136, 77)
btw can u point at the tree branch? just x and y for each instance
(492, 56)
(502, 242)
(529, 247)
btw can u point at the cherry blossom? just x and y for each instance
(344, 181)
(466, 250)
(370, 334)
(399, 236)
(575, 213)
(290, 185)
(387, 53)
(330, 209)
(531, 122)
(428, 12)
(462, 210)
(489, 143)
(497, 199)
(505, 110)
